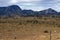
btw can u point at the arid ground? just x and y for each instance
(30, 28)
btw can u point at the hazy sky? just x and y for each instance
(33, 4)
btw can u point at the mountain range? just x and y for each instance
(13, 10)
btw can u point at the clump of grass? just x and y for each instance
(45, 18)
(14, 37)
(39, 17)
(46, 31)
(28, 21)
(20, 23)
(43, 22)
(53, 16)
(34, 21)
(58, 25)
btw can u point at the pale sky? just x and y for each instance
(35, 5)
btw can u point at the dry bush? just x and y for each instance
(46, 31)
(58, 25)
(35, 21)
(45, 18)
(20, 23)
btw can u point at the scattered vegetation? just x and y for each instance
(26, 26)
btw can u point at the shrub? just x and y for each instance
(53, 16)
(20, 23)
(34, 21)
(45, 18)
(46, 31)
(58, 25)
(29, 21)
(14, 37)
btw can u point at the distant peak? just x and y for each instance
(13, 6)
(50, 9)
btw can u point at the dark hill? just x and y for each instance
(16, 10)
(13, 9)
(48, 12)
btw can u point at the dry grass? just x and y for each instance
(30, 28)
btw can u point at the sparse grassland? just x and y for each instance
(30, 28)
